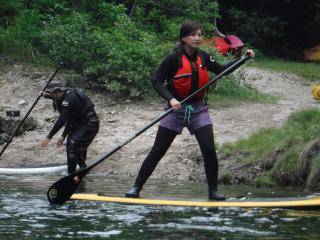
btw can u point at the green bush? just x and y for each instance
(122, 59)
(8, 11)
(19, 39)
(99, 41)
(133, 58)
(74, 41)
(165, 17)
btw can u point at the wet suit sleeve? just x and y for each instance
(214, 66)
(66, 106)
(166, 70)
(59, 123)
(66, 128)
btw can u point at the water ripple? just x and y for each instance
(26, 214)
(231, 229)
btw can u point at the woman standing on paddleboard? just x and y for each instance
(184, 71)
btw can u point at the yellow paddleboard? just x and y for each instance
(291, 202)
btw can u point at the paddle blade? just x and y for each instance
(62, 190)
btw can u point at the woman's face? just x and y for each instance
(193, 40)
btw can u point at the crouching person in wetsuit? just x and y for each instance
(79, 118)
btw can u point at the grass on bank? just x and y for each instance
(301, 128)
(231, 90)
(308, 70)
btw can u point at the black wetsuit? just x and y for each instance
(81, 126)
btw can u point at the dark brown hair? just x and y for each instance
(187, 28)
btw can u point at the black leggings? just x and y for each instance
(165, 137)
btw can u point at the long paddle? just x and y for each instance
(62, 190)
(33, 105)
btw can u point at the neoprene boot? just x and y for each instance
(215, 195)
(134, 192)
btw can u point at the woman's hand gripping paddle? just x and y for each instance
(62, 190)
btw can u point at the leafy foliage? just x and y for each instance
(98, 40)
(21, 38)
(116, 59)
(165, 17)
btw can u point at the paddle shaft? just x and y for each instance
(116, 148)
(33, 105)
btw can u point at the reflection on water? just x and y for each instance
(26, 214)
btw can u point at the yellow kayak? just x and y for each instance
(313, 54)
(315, 90)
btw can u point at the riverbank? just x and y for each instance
(122, 118)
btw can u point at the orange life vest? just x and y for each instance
(190, 77)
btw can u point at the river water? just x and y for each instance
(25, 213)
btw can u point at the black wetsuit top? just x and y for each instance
(170, 66)
(74, 108)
